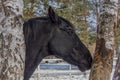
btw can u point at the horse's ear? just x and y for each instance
(52, 15)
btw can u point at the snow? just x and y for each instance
(52, 74)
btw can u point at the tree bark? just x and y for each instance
(32, 8)
(103, 58)
(117, 68)
(116, 75)
(11, 40)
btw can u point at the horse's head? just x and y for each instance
(66, 44)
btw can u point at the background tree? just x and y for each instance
(29, 6)
(117, 68)
(103, 58)
(11, 40)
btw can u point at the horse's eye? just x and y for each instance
(68, 28)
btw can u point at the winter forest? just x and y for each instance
(96, 23)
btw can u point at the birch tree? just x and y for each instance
(11, 40)
(117, 67)
(103, 57)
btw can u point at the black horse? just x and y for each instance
(53, 35)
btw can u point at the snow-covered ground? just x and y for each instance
(62, 77)
(61, 71)
(82, 77)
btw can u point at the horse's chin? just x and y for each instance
(83, 69)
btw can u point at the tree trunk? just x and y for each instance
(103, 58)
(116, 75)
(32, 8)
(11, 40)
(117, 68)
